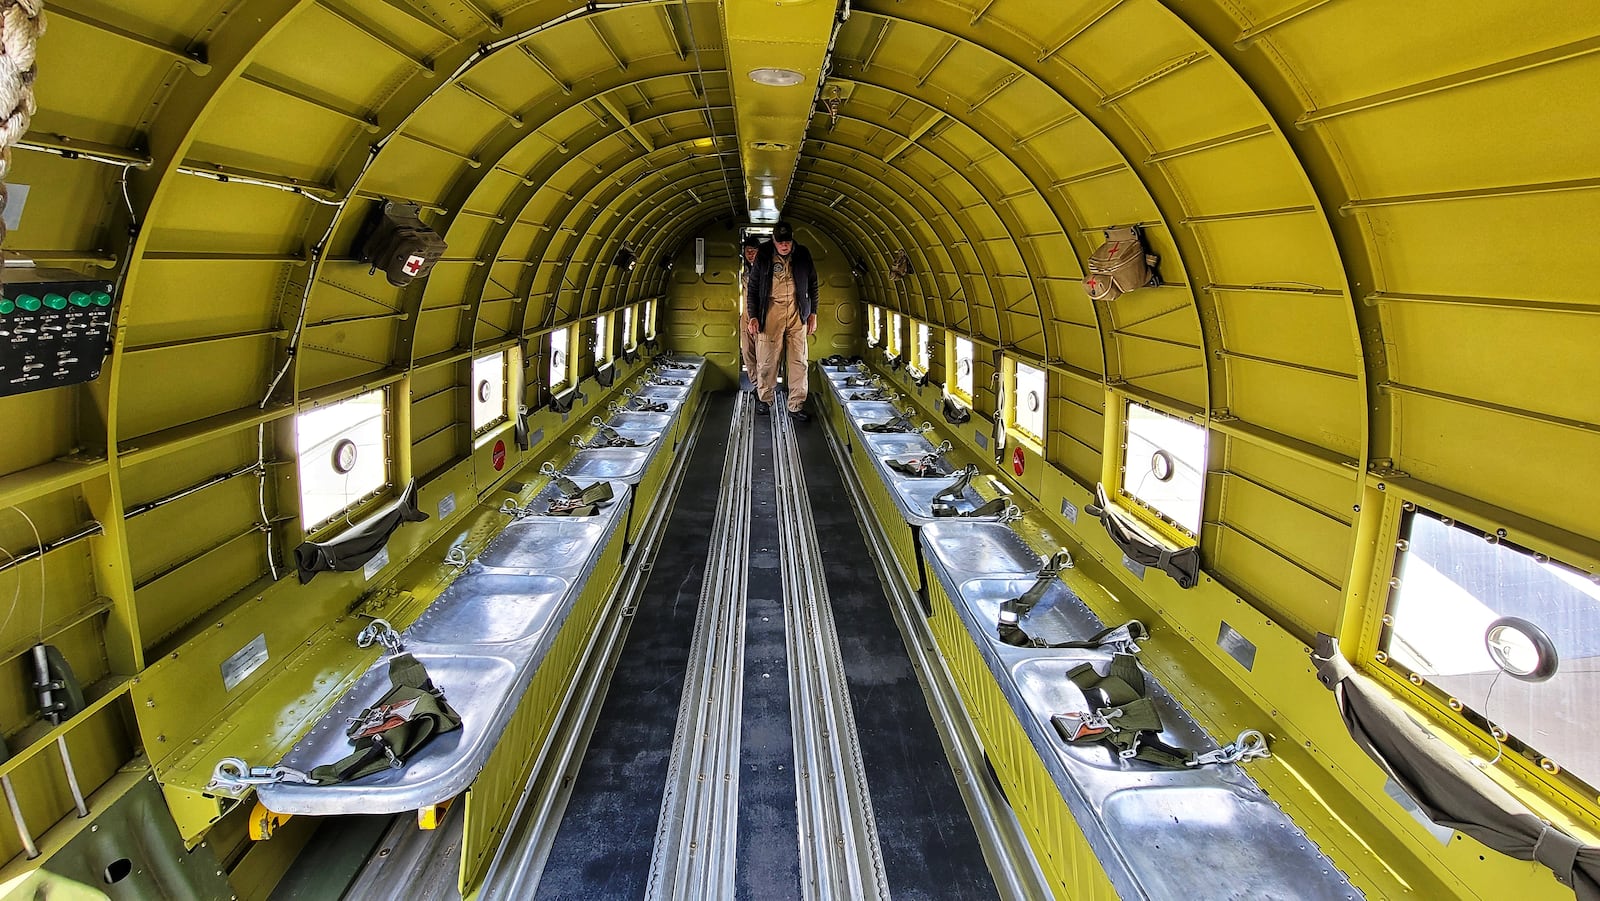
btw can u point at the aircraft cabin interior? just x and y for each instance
(799, 449)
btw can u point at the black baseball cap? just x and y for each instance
(751, 241)
(782, 232)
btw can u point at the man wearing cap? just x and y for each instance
(782, 306)
(747, 338)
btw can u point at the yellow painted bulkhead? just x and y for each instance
(1377, 227)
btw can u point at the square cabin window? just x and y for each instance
(874, 326)
(628, 316)
(560, 363)
(488, 392)
(919, 347)
(343, 454)
(1464, 598)
(601, 348)
(1028, 400)
(959, 380)
(1164, 466)
(894, 334)
(647, 320)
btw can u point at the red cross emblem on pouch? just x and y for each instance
(414, 264)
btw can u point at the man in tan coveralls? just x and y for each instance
(747, 337)
(782, 305)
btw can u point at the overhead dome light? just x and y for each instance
(778, 78)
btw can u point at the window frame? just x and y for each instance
(565, 351)
(893, 343)
(874, 325)
(921, 344)
(360, 505)
(1014, 402)
(1559, 797)
(630, 329)
(478, 429)
(647, 320)
(953, 376)
(1163, 523)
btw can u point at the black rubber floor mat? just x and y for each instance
(602, 848)
(929, 847)
(767, 865)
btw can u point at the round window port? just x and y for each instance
(1521, 649)
(1162, 466)
(483, 391)
(344, 456)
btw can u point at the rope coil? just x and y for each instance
(22, 22)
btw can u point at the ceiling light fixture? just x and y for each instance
(778, 78)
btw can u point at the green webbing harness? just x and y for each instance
(900, 422)
(871, 394)
(390, 732)
(1123, 638)
(576, 501)
(944, 502)
(1123, 717)
(610, 437)
(923, 467)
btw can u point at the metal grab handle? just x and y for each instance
(597, 422)
(547, 468)
(923, 429)
(456, 556)
(1011, 513)
(380, 632)
(509, 507)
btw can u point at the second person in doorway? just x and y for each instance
(782, 306)
(747, 335)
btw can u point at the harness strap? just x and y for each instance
(923, 467)
(1128, 722)
(391, 731)
(900, 422)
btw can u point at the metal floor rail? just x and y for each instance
(696, 839)
(839, 852)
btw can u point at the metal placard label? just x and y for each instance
(1133, 566)
(1069, 510)
(982, 439)
(376, 564)
(447, 505)
(537, 438)
(1237, 646)
(244, 661)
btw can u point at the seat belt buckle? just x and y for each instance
(374, 721)
(1086, 725)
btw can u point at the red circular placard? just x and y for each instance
(1017, 461)
(499, 458)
